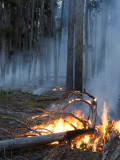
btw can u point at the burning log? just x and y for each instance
(24, 142)
(84, 126)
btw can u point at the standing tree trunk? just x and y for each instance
(60, 33)
(79, 44)
(41, 40)
(86, 41)
(16, 42)
(31, 40)
(1, 15)
(69, 80)
(0, 22)
(3, 41)
(103, 34)
(55, 58)
(37, 42)
(3, 57)
(17, 26)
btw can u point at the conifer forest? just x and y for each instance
(71, 44)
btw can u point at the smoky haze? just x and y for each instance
(105, 84)
(101, 56)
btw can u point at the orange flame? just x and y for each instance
(117, 126)
(70, 123)
(104, 119)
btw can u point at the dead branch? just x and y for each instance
(27, 127)
(54, 114)
(70, 124)
(3, 130)
(72, 115)
(85, 93)
(18, 143)
(62, 136)
(80, 99)
(94, 113)
(44, 129)
(76, 100)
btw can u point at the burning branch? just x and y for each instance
(47, 118)
(18, 143)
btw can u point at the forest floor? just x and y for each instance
(20, 105)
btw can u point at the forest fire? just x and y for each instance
(74, 128)
(93, 141)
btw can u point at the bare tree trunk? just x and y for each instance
(60, 33)
(3, 49)
(17, 26)
(79, 44)
(94, 60)
(41, 41)
(1, 15)
(55, 58)
(86, 40)
(16, 42)
(37, 42)
(104, 31)
(31, 40)
(69, 80)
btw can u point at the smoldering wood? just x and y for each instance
(111, 150)
(92, 107)
(24, 142)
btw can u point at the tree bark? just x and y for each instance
(3, 57)
(86, 41)
(41, 40)
(37, 42)
(3, 41)
(79, 44)
(31, 40)
(17, 26)
(18, 143)
(111, 150)
(103, 34)
(70, 50)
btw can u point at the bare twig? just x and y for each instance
(76, 100)
(7, 132)
(72, 115)
(26, 126)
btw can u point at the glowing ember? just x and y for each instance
(117, 126)
(95, 144)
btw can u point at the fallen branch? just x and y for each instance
(3, 130)
(26, 126)
(49, 116)
(18, 143)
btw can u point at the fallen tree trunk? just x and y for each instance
(111, 150)
(23, 142)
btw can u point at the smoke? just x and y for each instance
(105, 84)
